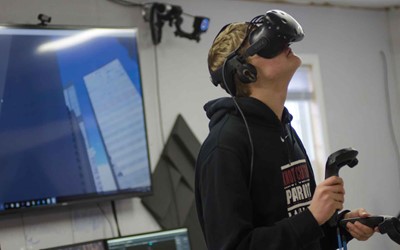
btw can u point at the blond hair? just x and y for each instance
(226, 42)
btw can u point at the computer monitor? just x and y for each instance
(176, 239)
(91, 245)
(72, 120)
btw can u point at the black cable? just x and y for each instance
(115, 217)
(132, 4)
(163, 139)
(187, 14)
(126, 3)
(24, 230)
(256, 20)
(162, 133)
(245, 123)
(389, 107)
(157, 83)
(105, 216)
(158, 95)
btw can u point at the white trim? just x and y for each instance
(313, 61)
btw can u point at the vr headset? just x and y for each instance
(268, 35)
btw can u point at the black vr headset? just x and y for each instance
(268, 35)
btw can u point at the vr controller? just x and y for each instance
(335, 162)
(386, 224)
(340, 158)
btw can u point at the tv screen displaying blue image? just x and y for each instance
(72, 121)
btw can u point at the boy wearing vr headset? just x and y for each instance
(255, 187)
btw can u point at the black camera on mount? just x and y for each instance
(44, 19)
(158, 13)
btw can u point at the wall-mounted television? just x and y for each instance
(72, 120)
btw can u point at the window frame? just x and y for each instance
(317, 99)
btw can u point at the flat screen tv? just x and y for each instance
(72, 120)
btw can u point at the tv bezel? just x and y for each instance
(89, 198)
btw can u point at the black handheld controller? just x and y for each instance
(391, 227)
(335, 162)
(340, 158)
(386, 225)
(372, 221)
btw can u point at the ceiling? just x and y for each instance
(378, 4)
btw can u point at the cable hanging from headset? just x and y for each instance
(273, 32)
(256, 20)
(245, 123)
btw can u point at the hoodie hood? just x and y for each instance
(252, 108)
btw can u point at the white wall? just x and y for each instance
(348, 43)
(394, 21)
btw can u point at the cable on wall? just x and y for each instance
(126, 3)
(108, 221)
(24, 230)
(160, 117)
(158, 95)
(389, 106)
(114, 210)
(157, 14)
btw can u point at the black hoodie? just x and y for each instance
(271, 211)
